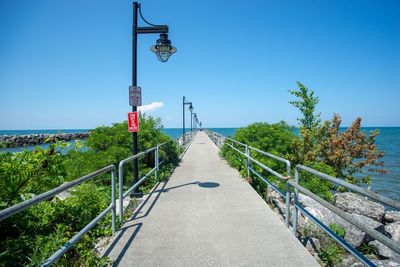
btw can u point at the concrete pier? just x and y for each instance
(206, 215)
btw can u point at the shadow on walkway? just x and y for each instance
(125, 227)
(135, 215)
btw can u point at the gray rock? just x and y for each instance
(312, 244)
(392, 216)
(353, 234)
(349, 260)
(125, 203)
(63, 195)
(394, 230)
(385, 263)
(36, 139)
(274, 199)
(370, 223)
(353, 203)
(100, 244)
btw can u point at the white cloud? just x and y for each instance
(150, 107)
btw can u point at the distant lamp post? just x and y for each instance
(163, 49)
(194, 121)
(184, 103)
(191, 117)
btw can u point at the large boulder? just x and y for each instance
(353, 234)
(394, 230)
(353, 203)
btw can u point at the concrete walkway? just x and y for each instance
(206, 215)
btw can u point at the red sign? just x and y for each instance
(133, 122)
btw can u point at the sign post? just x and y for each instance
(135, 96)
(133, 122)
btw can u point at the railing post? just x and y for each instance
(288, 167)
(157, 159)
(287, 204)
(247, 160)
(295, 210)
(114, 208)
(121, 193)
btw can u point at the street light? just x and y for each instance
(183, 106)
(194, 120)
(191, 117)
(163, 49)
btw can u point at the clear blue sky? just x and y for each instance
(67, 64)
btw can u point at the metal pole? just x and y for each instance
(156, 162)
(295, 202)
(114, 205)
(183, 128)
(287, 213)
(247, 160)
(191, 121)
(134, 83)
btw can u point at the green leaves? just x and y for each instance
(30, 237)
(274, 138)
(31, 172)
(307, 105)
(350, 153)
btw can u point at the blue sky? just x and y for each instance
(67, 64)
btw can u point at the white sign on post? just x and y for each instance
(135, 96)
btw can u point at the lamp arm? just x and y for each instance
(140, 13)
(155, 29)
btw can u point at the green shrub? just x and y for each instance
(30, 237)
(273, 138)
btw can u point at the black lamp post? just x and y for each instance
(183, 107)
(162, 48)
(191, 117)
(194, 120)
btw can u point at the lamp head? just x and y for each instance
(163, 48)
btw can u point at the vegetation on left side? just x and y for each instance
(30, 237)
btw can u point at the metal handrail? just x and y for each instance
(325, 228)
(249, 158)
(187, 142)
(382, 199)
(121, 164)
(287, 162)
(51, 193)
(395, 246)
(295, 184)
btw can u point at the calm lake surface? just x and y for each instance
(388, 140)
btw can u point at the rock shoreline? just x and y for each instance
(369, 212)
(9, 141)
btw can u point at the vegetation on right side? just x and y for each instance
(349, 154)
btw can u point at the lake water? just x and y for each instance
(388, 140)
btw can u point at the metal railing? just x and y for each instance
(37, 199)
(216, 137)
(154, 170)
(220, 140)
(189, 136)
(4, 214)
(395, 246)
(185, 141)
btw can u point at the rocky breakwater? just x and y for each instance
(38, 139)
(362, 209)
